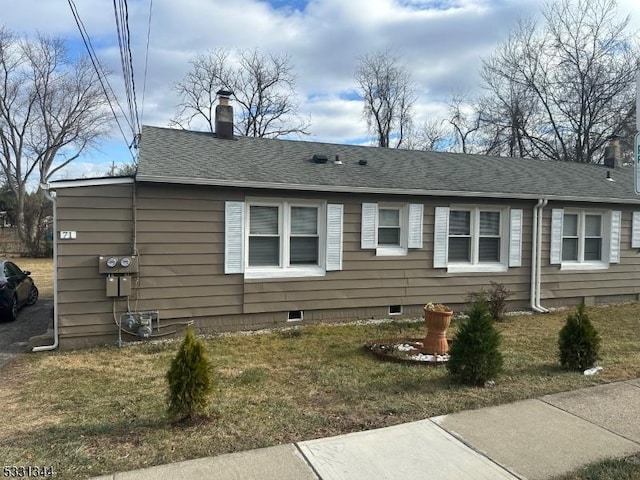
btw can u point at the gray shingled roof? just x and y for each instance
(180, 156)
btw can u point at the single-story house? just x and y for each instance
(236, 233)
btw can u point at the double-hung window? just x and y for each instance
(585, 239)
(282, 238)
(475, 236)
(264, 235)
(283, 235)
(391, 228)
(582, 237)
(477, 239)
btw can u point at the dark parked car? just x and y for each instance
(16, 290)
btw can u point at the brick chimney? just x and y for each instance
(224, 115)
(613, 153)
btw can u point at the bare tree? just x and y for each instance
(388, 94)
(562, 89)
(432, 135)
(263, 86)
(465, 121)
(51, 109)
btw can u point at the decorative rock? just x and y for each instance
(593, 371)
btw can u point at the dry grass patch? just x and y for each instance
(105, 408)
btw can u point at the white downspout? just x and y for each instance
(45, 188)
(539, 307)
(534, 257)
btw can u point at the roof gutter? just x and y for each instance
(374, 190)
(42, 348)
(536, 256)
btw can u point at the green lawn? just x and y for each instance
(102, 410)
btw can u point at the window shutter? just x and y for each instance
(233, 237)
(635, 230)
(441, 237)
(416, 215)
(614, 252)
(369, 233)
(334, 237)
(515, 239)
(557, 215)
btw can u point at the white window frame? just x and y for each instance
(511, 221)
(285, 269)
(236, 239)
(610, 235)
(475, 265)
(411, 219)
(403, 218)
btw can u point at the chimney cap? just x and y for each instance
(224, 93)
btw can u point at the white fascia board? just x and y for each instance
(376, 190)
(89, 182)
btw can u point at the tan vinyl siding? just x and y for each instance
(368, 281)
(620, 282)
(102, 218)
(181, 247)
(179, 233)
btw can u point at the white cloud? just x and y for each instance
(442, 41)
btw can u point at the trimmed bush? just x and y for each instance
(190, 380)
(495, 298)
(474, 356)
(578, 342)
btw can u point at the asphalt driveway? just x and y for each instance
(32, 320)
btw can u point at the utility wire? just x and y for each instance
(121, 12)
(146, 61)
(99, 70)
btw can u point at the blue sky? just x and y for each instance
(441, 41)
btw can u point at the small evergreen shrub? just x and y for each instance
(474, 356)
(495, 298)
(578, 341)
(190, 379)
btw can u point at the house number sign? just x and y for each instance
(67, 235)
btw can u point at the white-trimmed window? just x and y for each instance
(391, 228)
(282, 238)
(283, 235)
(477, 239)
(582, 239)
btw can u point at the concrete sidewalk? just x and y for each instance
(531, 439)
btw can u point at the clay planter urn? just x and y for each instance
(438, 318)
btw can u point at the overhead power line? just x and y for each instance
(146, 61)
(121, 12)
(104, 82)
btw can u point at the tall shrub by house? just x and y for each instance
(578, 341)
(474, 356)
(190, 379)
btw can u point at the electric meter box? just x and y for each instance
(113, 264)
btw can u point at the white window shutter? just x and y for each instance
(233, 237)
(441, 237)
(369, 233)
(635, 230)
(515, 238)
(334, 237)
(557, 217)
(416, 215)
(614, 245)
